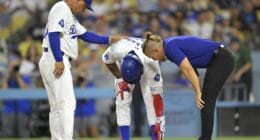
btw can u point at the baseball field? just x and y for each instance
(101, 138)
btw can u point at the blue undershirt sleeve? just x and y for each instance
(54, 39)
(94, 38)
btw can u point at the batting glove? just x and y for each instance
(160, 127)
(120, 87)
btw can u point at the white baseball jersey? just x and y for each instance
(117, 51)
(62, 20)
(151, 81)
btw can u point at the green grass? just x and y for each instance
(225, 138)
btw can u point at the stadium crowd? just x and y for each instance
(235, 23)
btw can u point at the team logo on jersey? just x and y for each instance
(61, 23)
(107, 55)
(157, 77)
(72, 30)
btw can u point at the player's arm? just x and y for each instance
(92, 37)
(110, 57)
(95, 38)
(190, 74)
(54, 40)
(180, 59)
(56, 23)
(113, 68)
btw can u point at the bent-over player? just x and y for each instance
(129, 65)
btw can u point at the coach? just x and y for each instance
(189, 53)
(60, 47)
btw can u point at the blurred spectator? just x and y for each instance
(16, 113)
(202, 27)
(3, 58)
(243, 66)
(86, 119)
(101, 8)
(249, 15)
(147, 6)
(26, 44)
(30, 63)
(140, 25)
(97, 72)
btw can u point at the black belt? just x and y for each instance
(46, 50)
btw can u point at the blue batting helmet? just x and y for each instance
(131, 68)
(88, 4)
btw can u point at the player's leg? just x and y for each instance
(156, 88)
(46, 69)
(62, 100)
(148, 100)
(123, 113)
(66, 103)
(154, 107)
(217, 73)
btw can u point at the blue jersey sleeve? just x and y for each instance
(174, 54)
(54, 39)
(94, 38)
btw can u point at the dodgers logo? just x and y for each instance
(157, 77)
(61, 23)
(106, 56)
(72, 30)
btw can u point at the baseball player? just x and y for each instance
(129, 65)
(190, 53)
(60, 47)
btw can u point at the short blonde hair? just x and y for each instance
(149, 36)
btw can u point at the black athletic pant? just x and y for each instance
(218, 70)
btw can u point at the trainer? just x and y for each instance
(190, 53)
(59, 48)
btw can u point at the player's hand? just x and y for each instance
(120, 87)
(59, 68)
(115, 38)
(160, 127)
(237, 77)
(199, 102)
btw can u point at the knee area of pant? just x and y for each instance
(64, 106)
(156, 90)
(123, 103)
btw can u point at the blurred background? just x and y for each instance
(23, 105)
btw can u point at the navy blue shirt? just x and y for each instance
(12, 106)
(198, 51)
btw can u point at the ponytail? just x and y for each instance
(150, 36)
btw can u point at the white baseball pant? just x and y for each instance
(60, 95)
